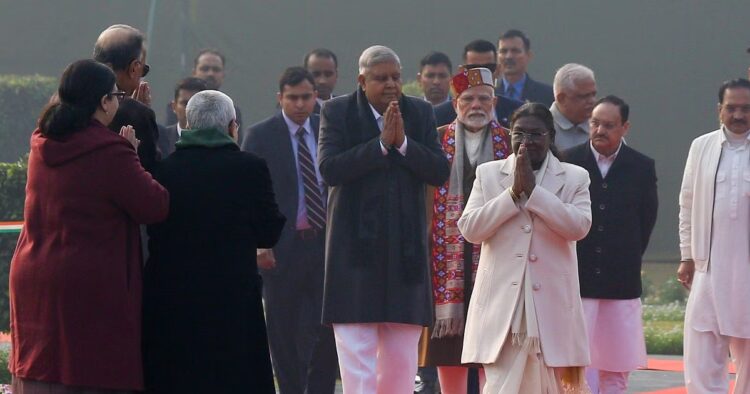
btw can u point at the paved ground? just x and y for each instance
(646, 381)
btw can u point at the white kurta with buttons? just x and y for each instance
(537, 234)
(718, 299)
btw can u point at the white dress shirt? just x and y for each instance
(604, 162)
(379, 119)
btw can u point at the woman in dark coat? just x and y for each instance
(75, 278)
(204, 330)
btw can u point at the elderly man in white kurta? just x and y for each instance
(715, 247)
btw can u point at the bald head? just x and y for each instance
(118, 46)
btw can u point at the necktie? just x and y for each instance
(511, 92)
(316, 214)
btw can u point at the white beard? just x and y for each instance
(475, 121)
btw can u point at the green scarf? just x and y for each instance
(207, 138)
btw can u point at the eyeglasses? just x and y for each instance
(491, 66)
(119, 94)
(146, 69)
(521, 135)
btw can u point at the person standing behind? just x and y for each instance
(480, 53)
(75, 277)
(378, 149)
(623, 194)
(514, 54)
(184, 90)
(714, 232)
(204, 329)
(122, 48)
(434, 77)
(209, 65)
(472, 139)
(303, 351)
(324, 67)
(575, 94)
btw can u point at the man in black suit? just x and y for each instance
(624, 205)
(204, 329)
(184, 90)
(324, 67)
(121, 47)
(477, 54)
(378, 150)
(514, 53)
(303, 351)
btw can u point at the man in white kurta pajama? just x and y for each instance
(715, 247)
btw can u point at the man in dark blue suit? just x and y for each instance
(479, 53)
(184, 90)
(514, 53)
(302, 350)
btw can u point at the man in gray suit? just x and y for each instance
(184, 90)
(575, 95)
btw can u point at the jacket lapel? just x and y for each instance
(370, 128)
(554, 178)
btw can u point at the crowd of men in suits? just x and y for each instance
(349, 285)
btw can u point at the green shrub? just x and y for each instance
(4, 372)
(12, 194)
(663, 337)
(22, 98)
(412, 88)
(672, 312)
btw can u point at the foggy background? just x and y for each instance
(667, 58)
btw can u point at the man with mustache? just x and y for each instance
(472, 139)
(575, 94)
(513, 56)
(434, 77)
(624, 201)
(378, 150)
(714, 232)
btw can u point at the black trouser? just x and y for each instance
(303, 352)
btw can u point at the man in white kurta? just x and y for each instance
(715, 247)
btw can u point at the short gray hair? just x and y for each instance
(210, 109)
(377, 54)
(568, 75)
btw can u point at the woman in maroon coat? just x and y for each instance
(75, 279)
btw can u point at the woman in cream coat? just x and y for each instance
(525, 321)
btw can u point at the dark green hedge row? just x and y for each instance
(22, 98)
(12, 194)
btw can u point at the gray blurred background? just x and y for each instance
(667, 58)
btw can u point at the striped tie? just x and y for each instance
(316, 213)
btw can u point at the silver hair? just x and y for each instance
(568, 75)
(377, 54)
(210, 109)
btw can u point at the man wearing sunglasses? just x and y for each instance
(121, 47)
(479, 54)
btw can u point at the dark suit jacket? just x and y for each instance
(203, 262)
(270, 140)
(167, 138)
(623, 207)
(141, 117)
(533, 91)
(444, 113)
(376, 241)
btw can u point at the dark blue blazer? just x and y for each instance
(533, 91)
(270, 140)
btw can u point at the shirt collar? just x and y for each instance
(179, 129)
(598, 156)
(293, 127)
(375, 112)
(518, 85)
(563, 122)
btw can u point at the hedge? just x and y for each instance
(12, 194)
(22, 98)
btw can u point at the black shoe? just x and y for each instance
(424, 386)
